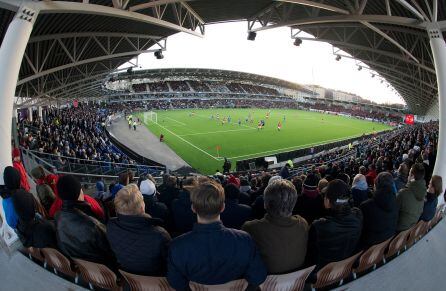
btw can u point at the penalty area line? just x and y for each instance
(221, 131)
(188, 142)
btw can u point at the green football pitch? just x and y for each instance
(202, 140)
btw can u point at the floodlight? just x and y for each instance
(159, 54)
(297, 42)
(252, 35)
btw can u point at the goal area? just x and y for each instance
(150, 116)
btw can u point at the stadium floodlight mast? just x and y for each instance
(252, 35)
(297, 41)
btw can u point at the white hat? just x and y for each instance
(405, 157)
(147, 187)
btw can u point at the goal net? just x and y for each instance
(150, 117)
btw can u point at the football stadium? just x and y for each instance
(120, 173)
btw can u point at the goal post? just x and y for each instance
(150, 116)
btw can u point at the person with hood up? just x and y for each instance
(183, 216)
(410, 200)
(17, 163)
(32, 229)
(235, 214)
(360, 190)
(430, 204)
(380, 213)
(310, 205)
(152, 206)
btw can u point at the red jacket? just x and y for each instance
(95, 207)
(23, 177)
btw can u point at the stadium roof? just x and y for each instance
(75, 44)
(227, 75)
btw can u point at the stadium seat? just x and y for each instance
(97, 275)
(58, 262)
(146, 283)
(335, 272)
(415, 233)
(397, 244)
(371, 257)
(236, 285)
(34, 253)
(293, 281)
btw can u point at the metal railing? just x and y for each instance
(83, 167)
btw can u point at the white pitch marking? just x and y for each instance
(182, 123)
(203, 151)
(212, 132)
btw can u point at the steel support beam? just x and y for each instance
(438, 47)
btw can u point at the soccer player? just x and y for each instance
(229, 118)
(279, 126)
(134, 125)
(218, 116)
(239, 122)
(259, 126)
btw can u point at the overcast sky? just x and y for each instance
(272, 54)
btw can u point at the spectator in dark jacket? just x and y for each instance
(410, 200)
(258, 206)
(152, 206)
(430, 203)
(380, 213)
(281, 237)
(32, 229)
(211, 253)
(78, 234)
(245, 192)
(264, 183)
(11, 177)
(285, 171)
(168, 191)
(235, 214)
(360, 190)
(139, 243)
(310, 205)
(183, 216)
(336, 236)
(401, 177)
(44, 191)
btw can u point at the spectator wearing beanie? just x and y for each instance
(310, 204)
(78, 234)
(360, 190)
(281, 237)
(11, 177)
(245, 192)
(138, 241)
(32, 229)
(17, 163)
(380, 213)
(183, 216)
(152, 206)
(235, 214)
(335, 236)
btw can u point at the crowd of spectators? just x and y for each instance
(228, 226)
(73, 133)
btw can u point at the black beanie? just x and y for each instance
(68, 188)
(311, 182)
(11, 177)
(337, 192)
(232, 192)
(24, 205)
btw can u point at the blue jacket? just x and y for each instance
(235, 214)
(11, 215)
(430, 207)
(213, 254)
(115, 190)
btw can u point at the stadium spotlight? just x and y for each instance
(297, 42)
(159, 54)
(252, 35)
(338, 58)
(359, 68)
